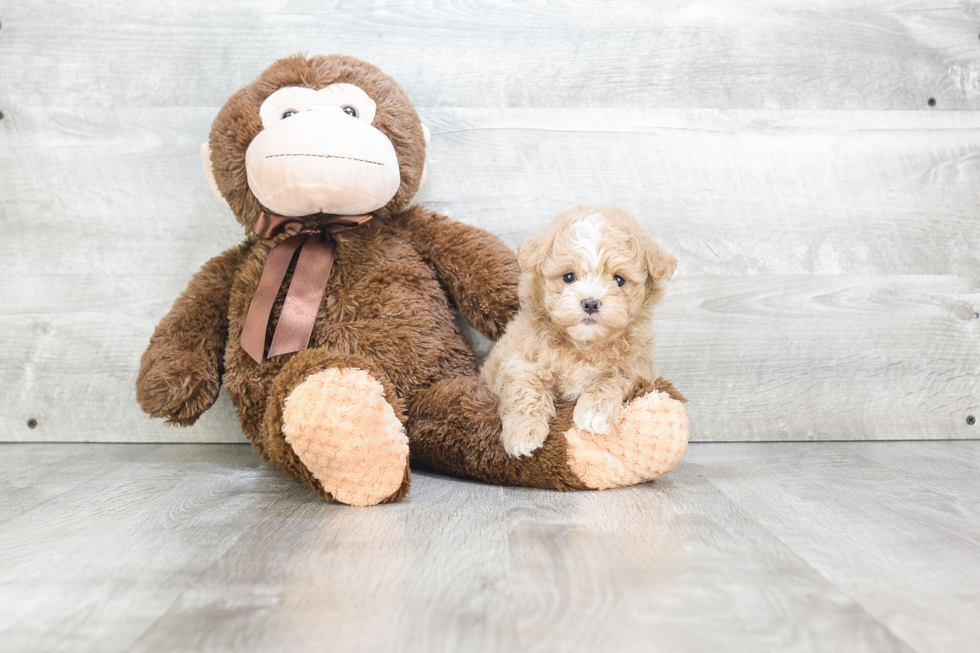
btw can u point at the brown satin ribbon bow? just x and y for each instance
(309, 280)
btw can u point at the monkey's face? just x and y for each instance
(315, 135)
(318, 152)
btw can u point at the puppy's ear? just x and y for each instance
(660, 263)
(532, 254)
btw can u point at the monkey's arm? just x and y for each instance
(477, 268)
(180, 372)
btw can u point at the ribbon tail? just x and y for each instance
(260, 310)
(303, 299)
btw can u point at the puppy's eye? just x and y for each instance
(288, 113)
(569, 277)
(619, 280)
(350, 111)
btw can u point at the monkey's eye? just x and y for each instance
(288, 113)
(350, 111)
(619, 280)
(569, 277)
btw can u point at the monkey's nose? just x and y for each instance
(590, 305)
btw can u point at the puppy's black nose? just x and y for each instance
(590, 305)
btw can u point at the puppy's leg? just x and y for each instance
(599, 408)
(526, 426)
(527, 405)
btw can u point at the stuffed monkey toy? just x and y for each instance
(333, 324)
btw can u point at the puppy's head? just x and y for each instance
(593, 273)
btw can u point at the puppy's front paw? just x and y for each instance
(597, 415)
(522, 436)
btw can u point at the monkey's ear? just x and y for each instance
(425, 163)
(660, 263)
(209, 173)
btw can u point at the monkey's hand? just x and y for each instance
(598, 411)
(177, 382)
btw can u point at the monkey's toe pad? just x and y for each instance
(648, 442)
(345, 432)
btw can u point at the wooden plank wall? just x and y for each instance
(813, 164)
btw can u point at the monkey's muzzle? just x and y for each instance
(322, 160)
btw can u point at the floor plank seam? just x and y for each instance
(77, 486)
(193, 584)
(875, 618)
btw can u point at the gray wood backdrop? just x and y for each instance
(825, 210)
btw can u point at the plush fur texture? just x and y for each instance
(340, 425)
(180, 373)
(239, 122)
(652, 442)
(588, 287)
(454, 428)
(388, 311)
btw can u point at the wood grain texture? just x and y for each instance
(743, 547)
(770, 54)
(901, 552)
(827, 287)
(829, 276)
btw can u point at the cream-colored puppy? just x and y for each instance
(587, 289)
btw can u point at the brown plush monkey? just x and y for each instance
(332, 324)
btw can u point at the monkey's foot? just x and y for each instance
(345, 432)
(649, 440)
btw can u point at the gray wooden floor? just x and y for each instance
(745, 547)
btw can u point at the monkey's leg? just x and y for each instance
(334, 422)
(454, 428)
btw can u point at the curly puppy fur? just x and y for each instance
(587, 288)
